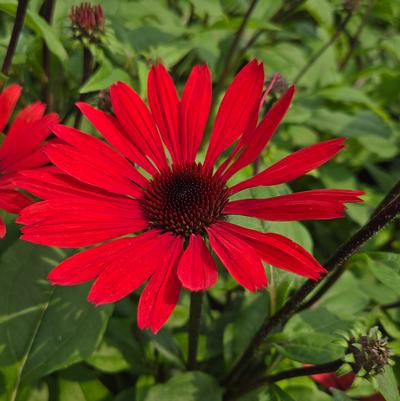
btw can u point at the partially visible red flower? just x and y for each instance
(344, 382)
(180, 207)
(21, 147)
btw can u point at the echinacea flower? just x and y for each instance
(98, 192)
(21, 147)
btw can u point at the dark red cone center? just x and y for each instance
(184, 200)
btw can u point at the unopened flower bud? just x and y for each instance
(87, 22)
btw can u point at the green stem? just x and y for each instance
(196, 303)
(12, 45)
(321, 51)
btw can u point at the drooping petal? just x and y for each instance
(2, 228)
(279, 251)
(161, 294)
(254, 141)
(111, 129)
(19, 137)
(241, 97)
(13, 201)
(89, 264)
(90, 160)
(138, 123)
(131, 268)
(8, 100)
(164, 104)
(240, 259)
(75, 222)
(197, 270)
(194, 110)
(321, 204)
(293, 166)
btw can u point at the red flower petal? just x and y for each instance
(253, 142)
(195, 107)
(52, 183)
(161, 294)
(13, 201)
(279, 251)
(164, 104)
(93, 162)
(75, 222)
(8, 100)
(138, 123)
(241, 97)
(321, 204)
(197, 270)
(2, 228)
(240, 259)
(295, 165)
(130, 268)
(111, 129)
(87, 265)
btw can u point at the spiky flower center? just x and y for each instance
(184, 200)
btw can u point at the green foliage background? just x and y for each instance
(54, 346)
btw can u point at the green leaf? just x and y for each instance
(387, 385)
(386, 268)
(81, 384)
(272, 393)
(310, 347)
(40, 26)
(339, 395)
(42, 327)
(193, 386)
(104, 77)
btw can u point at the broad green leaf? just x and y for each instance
(270, 393)
(245, 322)
(40, 26)
(193, 386)
(318, 320)
(387, 385)
(312, 348)
(103, 78)
(339, 395)
(81, 384)
(42, 327)
(386, 268)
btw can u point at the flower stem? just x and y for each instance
(18, 24)
(196, 303)
(46, 12)
(334, 266)
(86, 72)
(237, 392)
(322, 50)
(233, 48)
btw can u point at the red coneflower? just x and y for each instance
(181, 207)
(21, 148)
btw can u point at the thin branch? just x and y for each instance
(355, 39)
(387, 207)
(392, 305)
(321, 51)
(237, 392)
(196, 302)
(12, 45)
(295, 302)
(284, 12)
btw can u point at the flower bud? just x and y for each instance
(279, 86)
(87, 22)
(351, 5)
